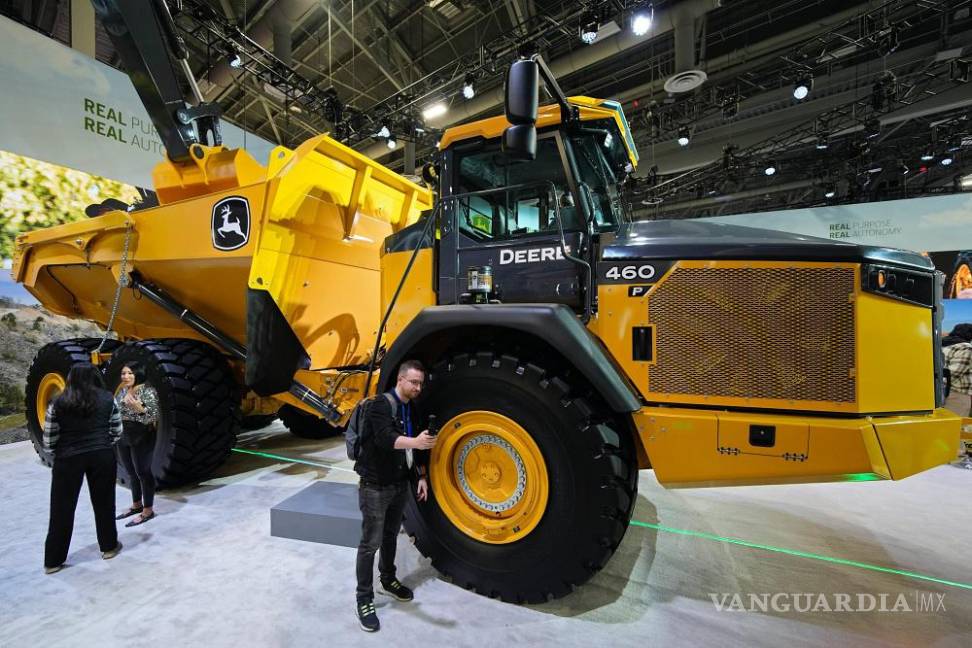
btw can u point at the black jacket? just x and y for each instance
(67, 436)
(380, 462)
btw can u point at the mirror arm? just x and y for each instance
(568, 113)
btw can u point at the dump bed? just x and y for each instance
(308, 229)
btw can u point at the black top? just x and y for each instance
(380, 462)
(67, 436)
(695, 239)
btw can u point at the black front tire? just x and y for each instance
(306, 426)
(199, 406)
(56, 357)
(590, 467)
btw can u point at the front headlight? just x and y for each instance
(897, 283)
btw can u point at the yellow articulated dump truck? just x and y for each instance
(568, 347)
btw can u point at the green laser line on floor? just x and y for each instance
(269, 455)
(702, 534)
(801, 554)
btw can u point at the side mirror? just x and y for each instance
(522, 102)
(520, 141)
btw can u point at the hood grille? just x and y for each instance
(783, 333)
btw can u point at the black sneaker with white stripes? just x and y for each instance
(396, 590)
(367, 618)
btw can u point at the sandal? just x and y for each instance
(141, 519)
(129, 513)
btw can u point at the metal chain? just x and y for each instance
(122, 283)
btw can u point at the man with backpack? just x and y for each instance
(390, 449)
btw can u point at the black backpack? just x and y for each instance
(354, 433)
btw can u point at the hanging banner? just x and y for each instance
(60, 106)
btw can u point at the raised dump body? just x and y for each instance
(307, 229)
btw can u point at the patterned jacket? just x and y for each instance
(150, 401)
(958, 359)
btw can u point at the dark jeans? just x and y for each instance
(66, 477)
(137, 460)
(381, 519)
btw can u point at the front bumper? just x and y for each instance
(694, 448)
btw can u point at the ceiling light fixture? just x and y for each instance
(435, 110)
(801, 89)
(641, 22)
(588, 30)
(684, 136)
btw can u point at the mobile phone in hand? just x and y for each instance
(433, 427)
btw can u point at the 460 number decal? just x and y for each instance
(610, 272)
(631, 272)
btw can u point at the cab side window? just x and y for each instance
(515, 212)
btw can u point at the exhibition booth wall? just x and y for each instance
(74, 111)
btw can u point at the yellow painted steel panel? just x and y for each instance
(416, 293)
(895, 353)
(616, 316)
(912, 445)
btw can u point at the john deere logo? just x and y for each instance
(231, 223)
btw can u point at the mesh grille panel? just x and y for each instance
(783, 333)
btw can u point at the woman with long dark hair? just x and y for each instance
(138, 403)
(80, 428)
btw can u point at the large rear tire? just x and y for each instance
(306, 426)
(532, 487)
(46, 378)
(199, 406)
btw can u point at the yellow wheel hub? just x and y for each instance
(489, 477)
(50, 387)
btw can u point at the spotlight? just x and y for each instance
(830, 190)
(641, 23)
(954, 143)
(872, 128)
(946, 160)
(928, 155)
(384, 131)
(235, 60)
(684, 136)
(770, 169)
(435, 110)
(392, 142)
(875, 167)
(802, 87)
(903, 168)
(588, 31)
(823, 142)
(468, 91)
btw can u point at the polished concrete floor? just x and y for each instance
(206, 571)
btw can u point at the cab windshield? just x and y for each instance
(602, 164)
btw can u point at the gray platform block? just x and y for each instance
(323, 512)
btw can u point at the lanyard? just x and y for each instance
(405, 411)
(407, 418)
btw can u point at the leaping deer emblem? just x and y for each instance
(228, 226)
